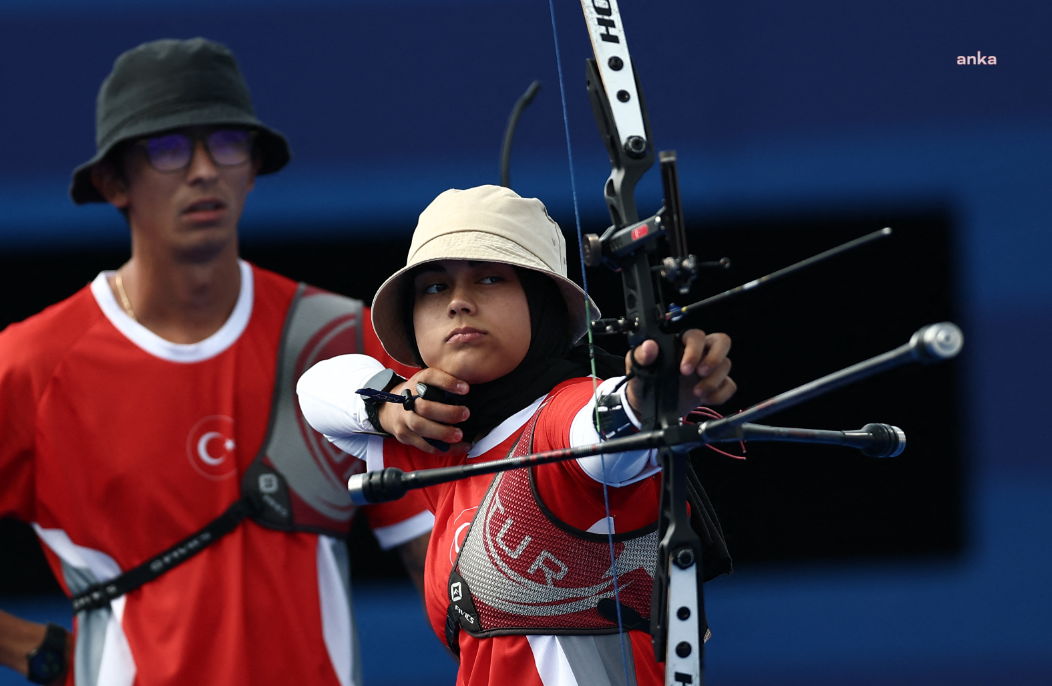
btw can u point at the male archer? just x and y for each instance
(131, 412)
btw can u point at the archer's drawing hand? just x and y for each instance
(704, 368)
(428, 419)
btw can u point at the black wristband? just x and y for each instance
(48, 661)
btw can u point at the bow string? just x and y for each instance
(591, 346)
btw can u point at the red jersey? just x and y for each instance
(116, 444)
(570, 494)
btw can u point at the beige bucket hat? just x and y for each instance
(487, 223)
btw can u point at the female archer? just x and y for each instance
(519, 577)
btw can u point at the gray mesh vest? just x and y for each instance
(521, 570)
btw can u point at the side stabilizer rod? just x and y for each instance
(874, 440)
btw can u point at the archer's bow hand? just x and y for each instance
(704, 368)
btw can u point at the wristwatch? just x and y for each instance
(384, 380)
(47, 662)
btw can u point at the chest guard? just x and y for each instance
(298, 481)
(521, 570)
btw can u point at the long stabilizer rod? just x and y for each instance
(932, 343)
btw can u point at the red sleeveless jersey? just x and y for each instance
(116, 445)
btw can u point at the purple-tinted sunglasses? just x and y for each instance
(171, 152)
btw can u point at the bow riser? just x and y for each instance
(633, 248)
(626, 169)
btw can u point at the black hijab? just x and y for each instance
(551, 359)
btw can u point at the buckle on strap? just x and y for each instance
(453, 630)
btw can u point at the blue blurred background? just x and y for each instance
(776, 109)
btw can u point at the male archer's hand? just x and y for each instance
(428, 419)
(704, 368)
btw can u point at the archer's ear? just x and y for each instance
(109, 183)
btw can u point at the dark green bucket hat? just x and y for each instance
(170, 84)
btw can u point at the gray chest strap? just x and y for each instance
(298, 481)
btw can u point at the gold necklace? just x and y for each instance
(124, 296)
